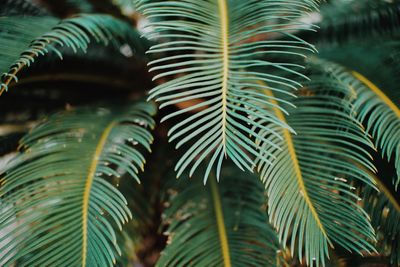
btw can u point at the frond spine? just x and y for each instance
(88, 186)
(220, 223)
(292, 152)
(223, 12)
(378, 92)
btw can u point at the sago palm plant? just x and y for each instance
(284, 114)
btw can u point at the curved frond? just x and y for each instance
(146, 200)
(224, 223)
(55, 194)
(375, 110)
(23, 39)
(384, 210)
(386, 53)
(213, 52)
(311, 200)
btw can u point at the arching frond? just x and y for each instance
(382, 118)
(384, 210)
(142, 236)
(375, 110)
(23, 39)
(213, 49)
(55, 194)
(386, 53)
(311, 201)
(224, 223)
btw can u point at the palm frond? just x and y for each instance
(311, 200)
(213, 52)
(224, 223)
(386, 53)
(23, 39)
(55, 194)
(146, 200)
(384, 210)
(375, 110)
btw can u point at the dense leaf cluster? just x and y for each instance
(285, 114)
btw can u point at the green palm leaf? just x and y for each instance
(382, 118)
(146, 200)
(311, 201)
(23, 39)
(211, 63)
(54, 194)
(375, 110)
(224, 223)
(384, 210)
(386, 52)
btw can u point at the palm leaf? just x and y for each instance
(381, 116)
(146, 200)
(224, 224)
(54, 194)
(311, 201)
(386, 52)
(213, 52)
(384, 210)
(375, 110)
(23, 39)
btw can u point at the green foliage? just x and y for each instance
(384, 210)
(213, 64)
(229, 213)
(55, 194)
(311, 200)
(350, 20)
(375, 110)
(20, 7)
(23, 39)
(386, 53)
(230, 79)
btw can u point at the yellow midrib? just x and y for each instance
(382, 187)
(14, 73)
(220, 223)
(223, 13)
(88, 186)
(292, 152)
(378, 92)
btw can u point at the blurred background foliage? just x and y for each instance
(361, 35)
